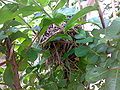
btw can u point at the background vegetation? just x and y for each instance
(44, 45)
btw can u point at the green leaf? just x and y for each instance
(44, 2)
(118, 57)
(29, 70)
(1, 70)
(8, 76)
(101, 48)
(113, 79)
(95, 74)
(9, 24)
(18, 34)
(60, 36)
(63, 89)
(26, 79)
(91, 58)
(32, 54)
(80, 87)
(72, 51)
(8, 12)
(96, 33)
(67, 11)
(80, 35)
(60, 4)
(75, 86)
(46, 54)
(80, 14)
(2, 35)
(81, 51)
(45, 24)
(32, 78)
(24, 45)
(108, 62)
(51, 86)
(23, 65)
(22, 1)
(11, 7)
(110, 49)
(113, 30)
(28, 10)
(86, 40)
(58, 18)
(74, 77)
(62, 83)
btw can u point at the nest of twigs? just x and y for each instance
(59, 48)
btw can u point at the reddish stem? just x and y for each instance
(11, 59)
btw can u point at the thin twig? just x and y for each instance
(26, 23)
(100, 14)
(113, 8)
(3, 83)
(2, 63)
(79, 2)
(41, 8)
(59, 60)
(32, 42)
(115, 68)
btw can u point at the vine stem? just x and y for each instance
(100, 14)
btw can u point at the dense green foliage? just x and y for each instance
(70, 59)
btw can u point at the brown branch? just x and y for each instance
(115, 68)
(2, 63)
(11, 58)
(100, 14)
(57, 54)
(79, 2)
(16, 84)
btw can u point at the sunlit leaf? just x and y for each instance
(45, 24)
(58, 18)
(80, 14)
(8, 12)
(22, 1)
(44, 2)
(28, 10)
(60, 4)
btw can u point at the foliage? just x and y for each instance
(69, 59)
